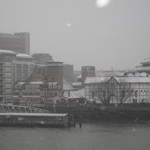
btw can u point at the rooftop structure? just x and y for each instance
(144, 66)
(42, 58)
(121, 79)
(5, 52)
(25, 56)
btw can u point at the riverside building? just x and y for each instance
(118, 89)
(45, 85)
(6, 75)
(13, 68)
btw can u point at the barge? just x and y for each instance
(35, 119)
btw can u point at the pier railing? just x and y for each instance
(17, 108)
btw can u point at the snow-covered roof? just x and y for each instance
(39, 82)
(108, 73)
(67, 85)
(76, 83)
(77, 94)
(128, 79)
(7, 52)
(133, 79)
(36, 82)
(136, 74)
(96, 79)
(32, 82)
(20, 55)
(21, 83)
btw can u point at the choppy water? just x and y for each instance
(90, 137)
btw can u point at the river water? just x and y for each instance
(92, 136)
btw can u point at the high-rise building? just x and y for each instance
(13, 69)
(17, 42)
(6, 75)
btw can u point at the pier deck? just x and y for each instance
(34, 119)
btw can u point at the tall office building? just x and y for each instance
(17, 42)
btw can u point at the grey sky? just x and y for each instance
(79, 33)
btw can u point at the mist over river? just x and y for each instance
(92, 136)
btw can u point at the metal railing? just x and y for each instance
(18, 108)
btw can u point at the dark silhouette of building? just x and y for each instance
(87, 71)
(68, 73)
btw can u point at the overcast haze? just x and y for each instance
(79, 33)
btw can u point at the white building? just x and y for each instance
(118, 89)
(23, 67)
(13, 68)
(6, 74)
